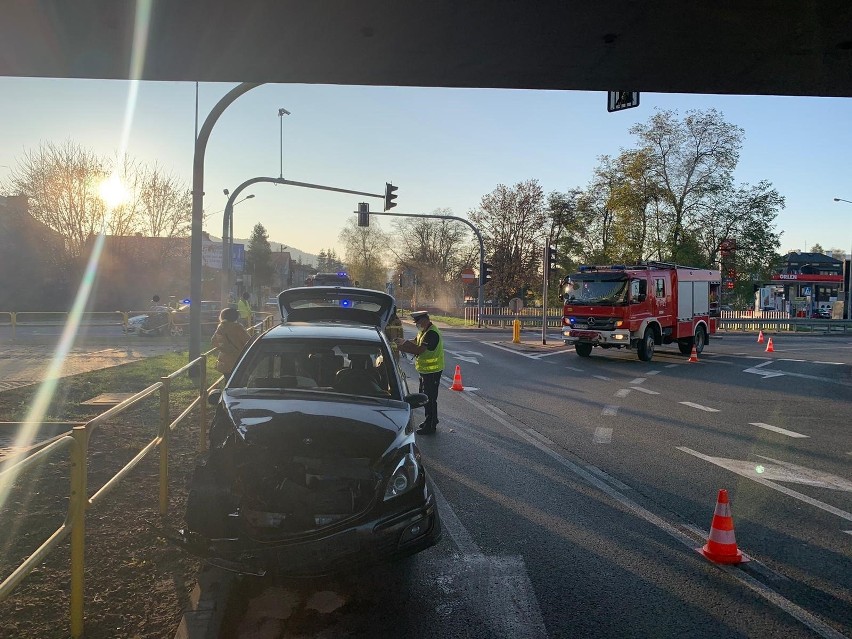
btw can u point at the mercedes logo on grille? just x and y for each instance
(307, 441)
(591, 321)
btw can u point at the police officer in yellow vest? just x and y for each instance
(428, 351)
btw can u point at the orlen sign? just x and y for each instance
(803, 277)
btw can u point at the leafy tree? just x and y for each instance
(690, 160)
(817, 248)
(259, 258)
(365, 248)
(514, 223)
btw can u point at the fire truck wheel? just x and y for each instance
(583, 350)
(646, 346)
(700, 339)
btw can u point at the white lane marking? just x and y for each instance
(578, 370)
(777, 429)
(452, 524)
(608, 478)
(623, 392)
(603, 377)
(465, 356)
(610, 409)
(509, 350)
(647, 391)
(602, 435)
(758, 370)
(548, 354)
(752, 475)
(541, 437)
(809, 476)
(795, 611)
(784, 359)
(830, 363)
(672, 365)
(700, 407)
(653, 373)
(638, 380)
(848, 532)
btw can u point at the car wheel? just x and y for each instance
(583, 350)
(646, 346)
(700, 339)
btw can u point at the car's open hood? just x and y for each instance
(335, 303)
(317, 427)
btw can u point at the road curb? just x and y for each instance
(203, 615)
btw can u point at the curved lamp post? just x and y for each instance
(227, 245)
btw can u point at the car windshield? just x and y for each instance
(595, 290)
(344, 367)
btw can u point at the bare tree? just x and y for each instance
(365, 248)
(61, 182)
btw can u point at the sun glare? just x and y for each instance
(113, 192)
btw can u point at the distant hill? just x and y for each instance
(307, 258)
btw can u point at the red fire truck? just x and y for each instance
(640, 307)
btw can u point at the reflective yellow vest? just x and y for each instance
(430, 361)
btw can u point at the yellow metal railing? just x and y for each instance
(78, 443)
(178, 323)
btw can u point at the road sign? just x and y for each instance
(516, 304)
(468, 275)
(618, 100)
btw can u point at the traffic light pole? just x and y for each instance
(227, 221)
(476, 232)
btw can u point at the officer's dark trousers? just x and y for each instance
(429, 384)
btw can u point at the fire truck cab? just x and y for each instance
(640, 306)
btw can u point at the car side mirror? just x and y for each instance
(416, 400)
(214, 397)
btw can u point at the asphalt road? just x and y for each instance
(574, 493)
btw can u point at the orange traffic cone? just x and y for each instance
(769, 347)
(693, 356)
(457, 383)
(760, 337)
(721, 546)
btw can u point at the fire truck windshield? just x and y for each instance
(595, 290)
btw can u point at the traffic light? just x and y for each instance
(390, 196)
(400, 280)
(485, 274)
(731, 274)
(363, 214)
(550, 262)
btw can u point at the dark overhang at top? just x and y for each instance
(783, 47)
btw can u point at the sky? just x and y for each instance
(443, 148)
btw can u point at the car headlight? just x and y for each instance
(403, 478)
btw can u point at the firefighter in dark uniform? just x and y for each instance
(428, 351)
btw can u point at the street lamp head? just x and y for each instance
(226, 191)
(283, 112)
(248, 197)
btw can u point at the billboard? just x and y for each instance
(211, 255)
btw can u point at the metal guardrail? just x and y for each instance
(79, 504)
(728, 321)
(177, 326)
(77, 440)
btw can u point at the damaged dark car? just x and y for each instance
(313, 466)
